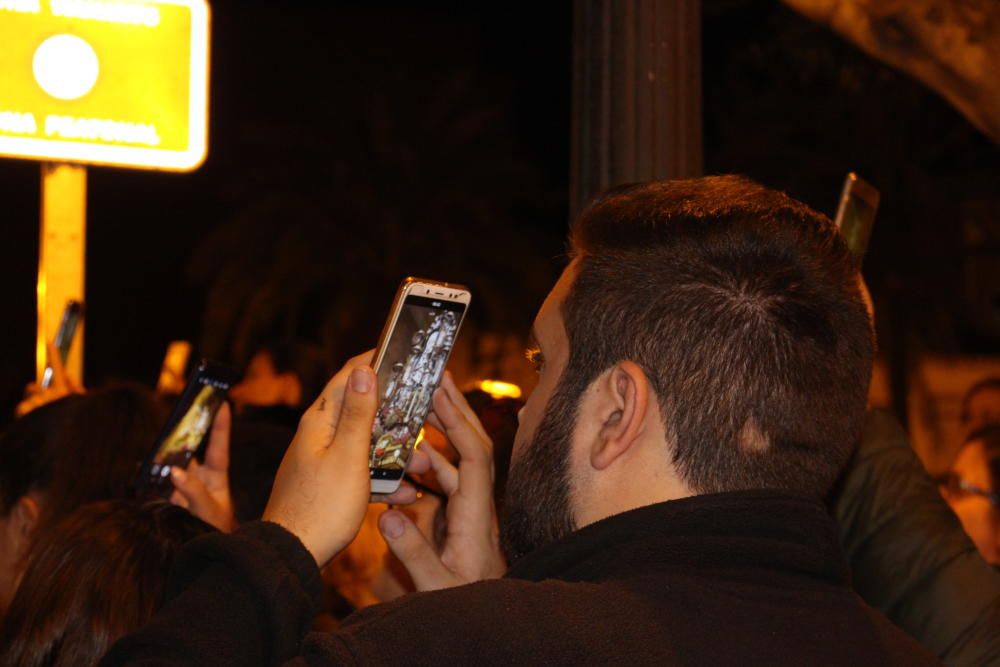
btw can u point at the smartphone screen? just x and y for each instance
(188, 426)
(412, 364)
(856, 215)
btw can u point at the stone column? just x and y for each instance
(636, 93)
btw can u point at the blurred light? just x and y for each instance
(173, 373)
(498, 389)
(66, 67)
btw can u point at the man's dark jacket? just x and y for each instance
(749, 578)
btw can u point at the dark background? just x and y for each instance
(354, 143)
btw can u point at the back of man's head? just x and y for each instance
(742, 306)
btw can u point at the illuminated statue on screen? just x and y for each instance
(408, 394)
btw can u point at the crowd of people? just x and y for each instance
(696, 479)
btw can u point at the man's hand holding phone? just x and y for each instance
(322, 489)
(472, 549)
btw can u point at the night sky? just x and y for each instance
(278, 69)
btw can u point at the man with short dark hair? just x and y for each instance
(703, 366)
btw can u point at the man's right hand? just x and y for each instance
(472, 549)
(322, 488)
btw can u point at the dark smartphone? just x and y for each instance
(856, 215)
(186, 431)
(71, 317)
(410, 360)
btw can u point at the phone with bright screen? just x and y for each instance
(410, 360)
(856, 215)
(70, 322)
(187, 428)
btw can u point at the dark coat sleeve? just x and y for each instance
(908, 554)
(242, 599)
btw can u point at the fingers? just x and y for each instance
(444, 471)
(192, 493)
(464, 432)
(420, 461)
(217, 453)
(415, 552)
(320, 420)
(404, 495)
(418, 464)
(458, 399)
(192, 489)
(177, 498)
(59, 379)
(357, 413)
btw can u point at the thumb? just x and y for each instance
(193, 490)
(354, 429)
(415, 552)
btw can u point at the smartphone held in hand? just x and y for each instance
(71, 318)
(410, 360)
(187, 429)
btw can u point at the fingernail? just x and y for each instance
(393, 526)
(361, 380)
(178, 474)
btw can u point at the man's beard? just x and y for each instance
(536, 508)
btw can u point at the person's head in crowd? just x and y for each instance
(709, 335)
(287, 374)
(96, 575)
(972, 490)
(981, 405)
(100, 451)
(27, 457)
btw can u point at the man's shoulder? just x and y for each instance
(505, 619)
(646, 619)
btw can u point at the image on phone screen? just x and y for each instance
(188, 426)
(415, 357)
(185, 438)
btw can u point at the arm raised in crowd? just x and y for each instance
(252, 596)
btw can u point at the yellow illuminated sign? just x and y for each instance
(119, 82)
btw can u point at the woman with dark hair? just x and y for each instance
(95, 576)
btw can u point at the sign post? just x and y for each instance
(106, 82)
(62, 247)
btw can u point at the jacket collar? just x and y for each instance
(763, 530)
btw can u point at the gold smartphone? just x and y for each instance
(410, 359)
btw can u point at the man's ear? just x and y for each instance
(21, 523)
(624, 406)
